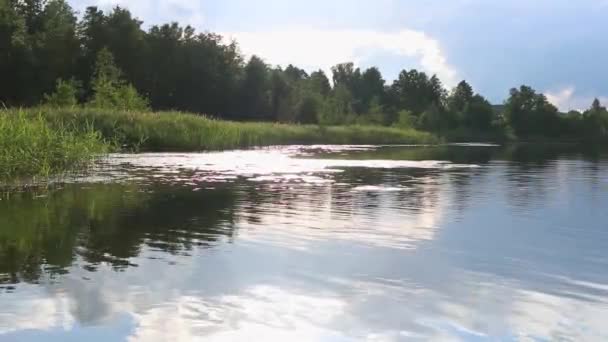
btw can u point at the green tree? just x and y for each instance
(405, 119)
(337, 108)
(109, 90)
(375, 113)
(478, 114)
(93, 37)
(371, 91)
(460, 97)
(319, 83)
(309, 109)
(595, 121)
(255, 92)
(345, 75)
(530, 114)
(13, 47)
(65, 94)
(431, 119)
(58, 45)
(596, 106)
(415, 91)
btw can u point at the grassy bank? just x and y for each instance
(174, 131)
(44, 140)
(29, 146)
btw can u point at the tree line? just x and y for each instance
(49, 55)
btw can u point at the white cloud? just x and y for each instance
(186, 12)
(314, 49)
(262, 312)
(567, 99)
(562, 99)
(30, 311)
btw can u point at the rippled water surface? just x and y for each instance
(321, 243)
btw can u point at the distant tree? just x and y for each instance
(595, 121)
(530, 114)
(110, 90)
(345, 74)
(254, 93)
(65, 94)
(596, 106)
(431, 119)
(125, 39)
(478, 114)
(415, 91)
(31, 11)
(338, 107)
(280, 91)
(42, 42)
(460, 97)
(14, 47)
(58, 47)
(375, 114)
(309, 109)
(370, 89)
(295, 74)
(319, 83)
(406, 119)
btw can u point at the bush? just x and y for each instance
(65, 95)
(174, 131)
(405, 119)
(110, 91)
(30, 146)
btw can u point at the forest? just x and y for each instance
(51, 55)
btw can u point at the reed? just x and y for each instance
(176, 131)
(44, 140)
(30, 146)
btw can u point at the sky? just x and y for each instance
(559, 47)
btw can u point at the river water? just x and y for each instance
(319, 243)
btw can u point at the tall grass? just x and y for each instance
(175, 131)
(29, 146)
(44, 140)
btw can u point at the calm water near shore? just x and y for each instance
(320, 243)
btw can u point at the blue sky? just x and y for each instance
(559, 47)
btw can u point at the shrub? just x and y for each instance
(30, 146)
(65, 95)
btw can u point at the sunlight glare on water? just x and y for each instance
(319, 243)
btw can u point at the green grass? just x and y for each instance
(29, 146)
(175, 131)
(42, 141)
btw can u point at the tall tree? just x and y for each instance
(371, 88)
(530, 114)
(254, 93)
(58, 45)
(415, 91)
(14, 45)
(319, 83)
(460, 97)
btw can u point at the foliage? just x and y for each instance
(338, 107)
(122, 64)
(530, 114)
(415, 91)
(29, 146)
(595, 121)
(65, 94)
(109, 90)
(175, 131)
(406, 119)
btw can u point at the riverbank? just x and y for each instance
(30, 146)
(43, 140)
(184, 132)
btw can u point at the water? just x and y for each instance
(322, 243)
